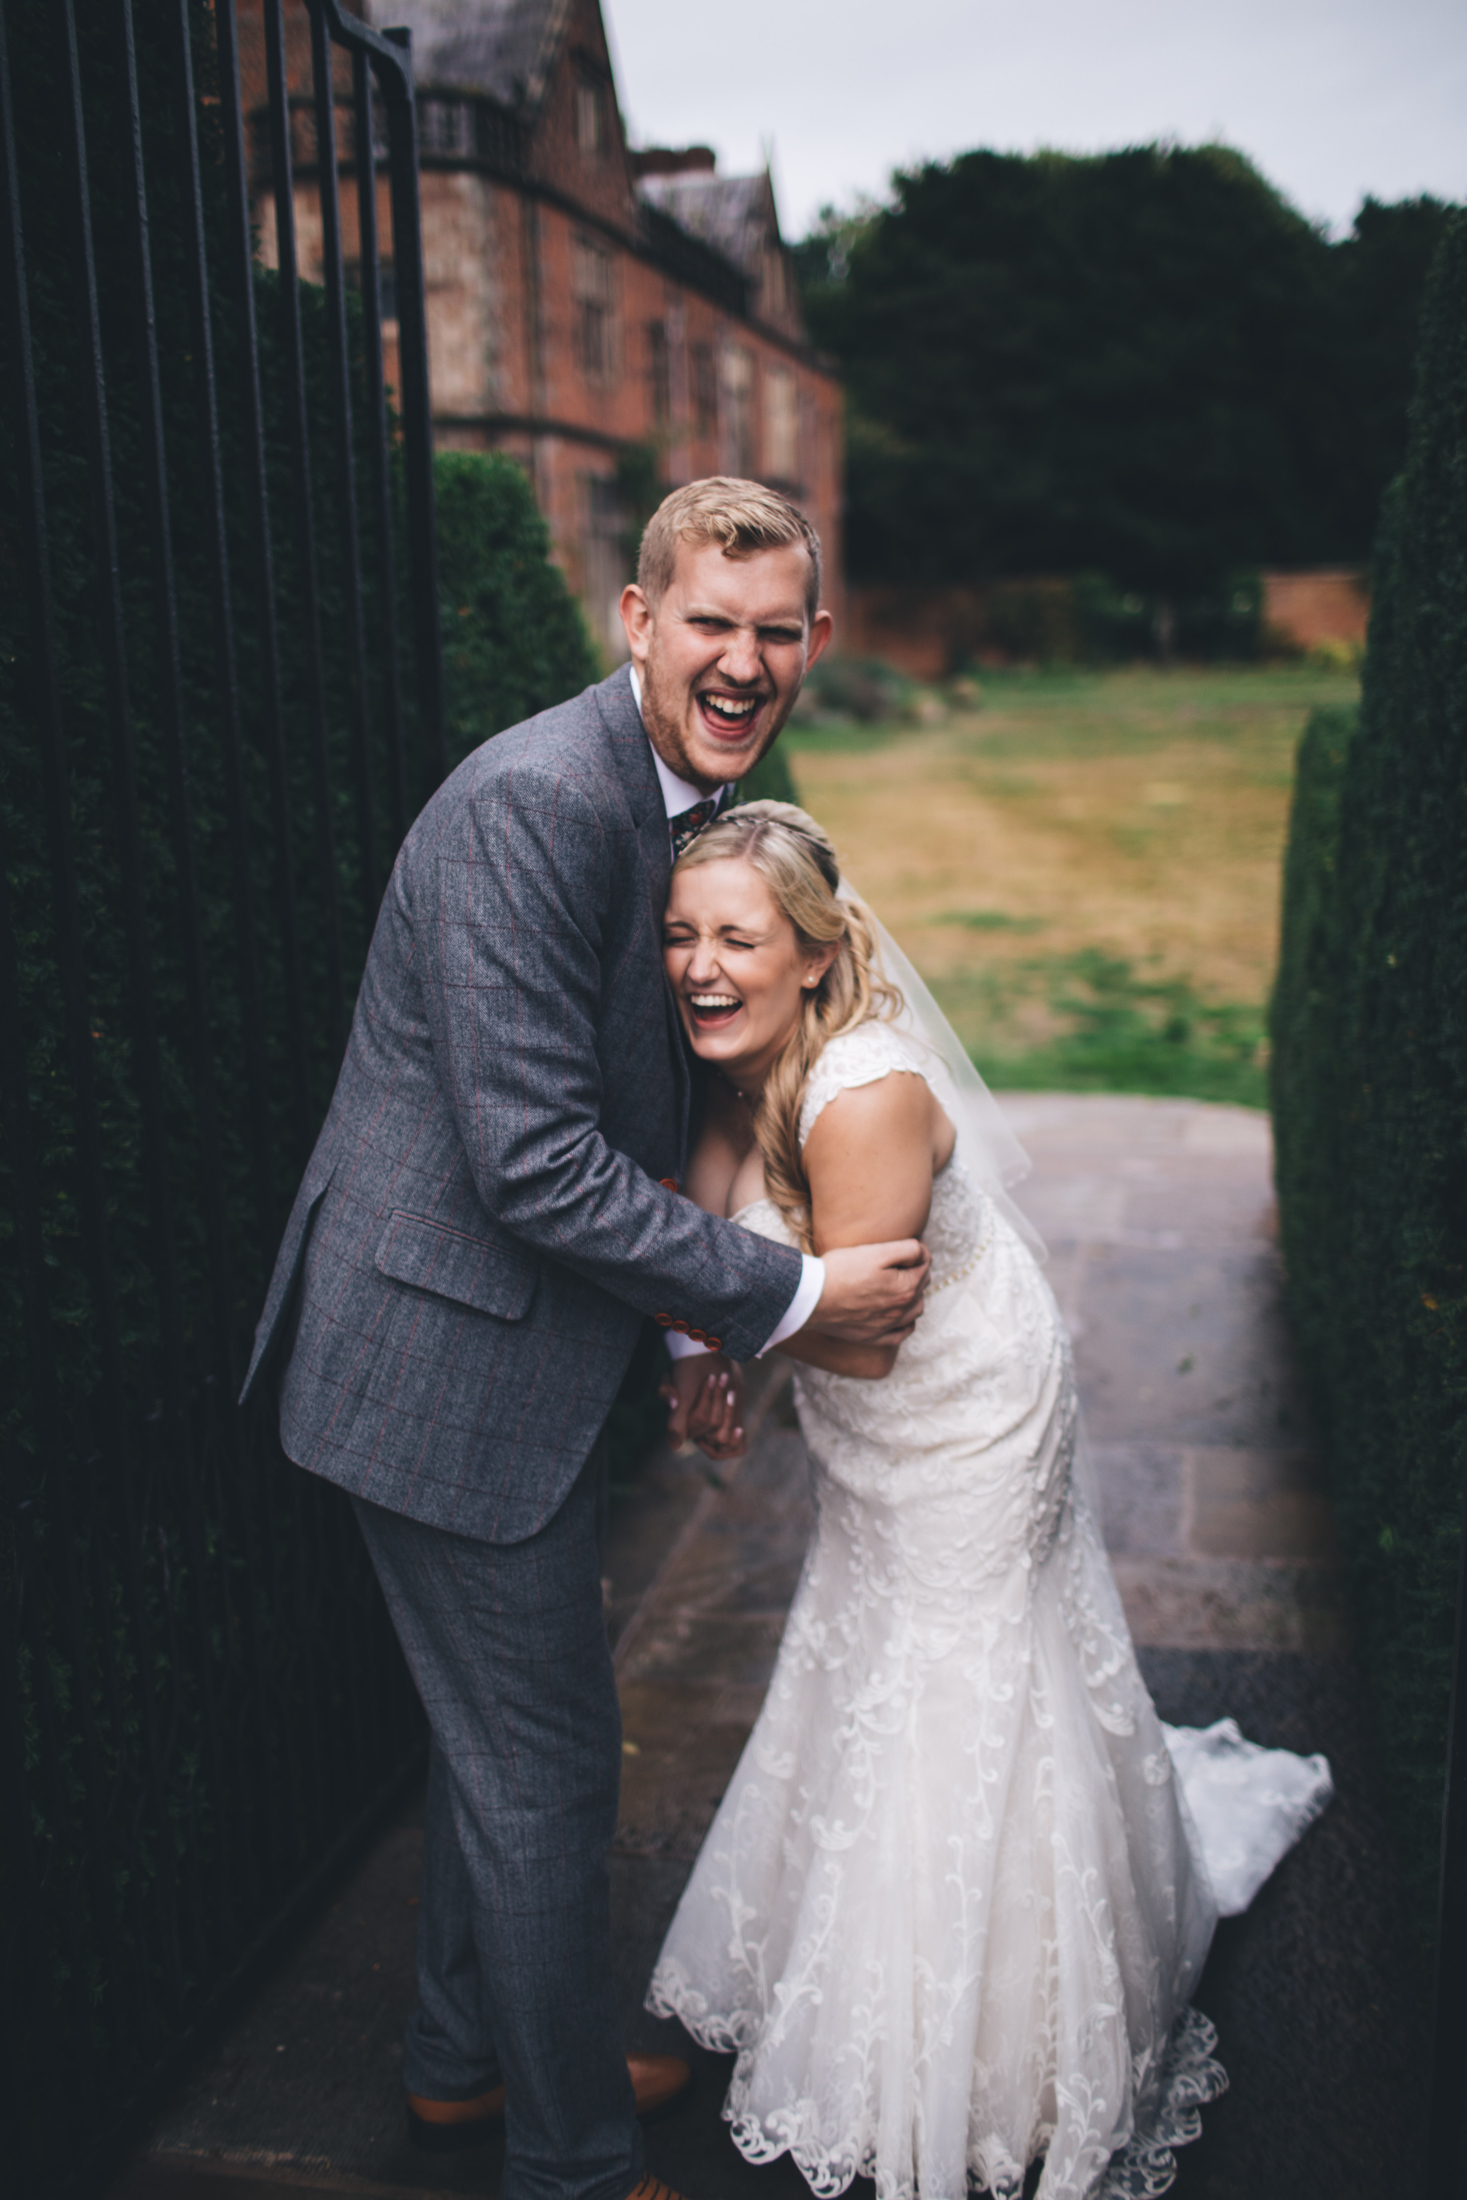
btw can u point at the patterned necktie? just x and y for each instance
(687, 825)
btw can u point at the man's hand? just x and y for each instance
(873, 1293)
(706, 1397)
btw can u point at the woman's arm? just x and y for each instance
(869, 1159)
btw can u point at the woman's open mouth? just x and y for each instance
(712, 1011)
(729, 717)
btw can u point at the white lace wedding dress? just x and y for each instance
(954, 1902)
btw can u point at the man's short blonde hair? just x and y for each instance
(741, 516)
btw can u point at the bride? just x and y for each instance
(954, 1903)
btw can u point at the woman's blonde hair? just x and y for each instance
(800, 867)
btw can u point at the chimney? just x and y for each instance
(669, 160)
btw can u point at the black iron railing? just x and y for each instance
(220, 703)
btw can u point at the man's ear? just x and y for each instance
(637, 617)
(822, 627)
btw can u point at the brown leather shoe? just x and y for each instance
(446, 2127)
(657, 2081)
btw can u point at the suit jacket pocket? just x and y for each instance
(491, 1278)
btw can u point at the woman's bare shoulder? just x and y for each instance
(867, 1056)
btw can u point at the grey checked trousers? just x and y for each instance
(507, 1645)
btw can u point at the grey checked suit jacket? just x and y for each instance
(481, 1229)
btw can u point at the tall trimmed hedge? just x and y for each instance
(1370, 1080)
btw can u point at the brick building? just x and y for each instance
(601, 314)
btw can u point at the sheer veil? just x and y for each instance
(987, 1147)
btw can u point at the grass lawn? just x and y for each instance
(1086, 868)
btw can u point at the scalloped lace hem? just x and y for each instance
(1144, 2168)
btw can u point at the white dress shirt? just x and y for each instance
(678, 795)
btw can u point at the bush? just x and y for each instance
(514, 640)
(859, 688)
(1370, 1081)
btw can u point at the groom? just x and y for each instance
(490, 1214)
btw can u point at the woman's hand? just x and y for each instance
(706, 1398)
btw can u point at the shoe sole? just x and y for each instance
(460, 2138)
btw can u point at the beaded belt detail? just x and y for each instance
(971, 1262)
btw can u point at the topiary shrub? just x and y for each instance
(1370, 1082)
(513, 638)
(1305, 1059)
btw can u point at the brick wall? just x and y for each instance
(556, 334)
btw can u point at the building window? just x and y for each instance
(705, 389)
(604, 562)
(781, 424)
(736, 389)
(659, 373)
(776, 283)
(594, 281)
(591, 118)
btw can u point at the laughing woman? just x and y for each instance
(953, 1906)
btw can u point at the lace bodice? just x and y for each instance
(961, 1219)
(990, 1330)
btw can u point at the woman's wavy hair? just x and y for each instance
(800, 867)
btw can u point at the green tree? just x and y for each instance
(1144, 363)
(513, 638)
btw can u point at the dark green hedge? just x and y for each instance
(1370, 1080)
(514, 640)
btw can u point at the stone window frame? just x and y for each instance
(593, 290)
(781, 423)
(737, 388)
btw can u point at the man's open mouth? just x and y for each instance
(710, 1010)
(729, 716)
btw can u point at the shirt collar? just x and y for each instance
(677, 794)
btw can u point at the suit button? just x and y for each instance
(669, 1183)
(680, 1327)
(665, 1319)
(697, 1336)
(714, 1344)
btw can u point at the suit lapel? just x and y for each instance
(631, 756)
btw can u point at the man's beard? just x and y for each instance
(660, 720)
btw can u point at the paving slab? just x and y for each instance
(1163, 1254)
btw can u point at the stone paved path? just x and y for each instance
(1159, 1220)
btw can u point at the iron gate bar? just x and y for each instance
(168, 674)
(25, 2070)
(144, 1034)
(391, 55)
(252, 1862)
(346, 488)
(1446, 2136)
(364, 154)
(226, 666)
(272, 731)
(412, 354)
(224, 1904)
(300, 439)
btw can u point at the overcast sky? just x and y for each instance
(1331, 98)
